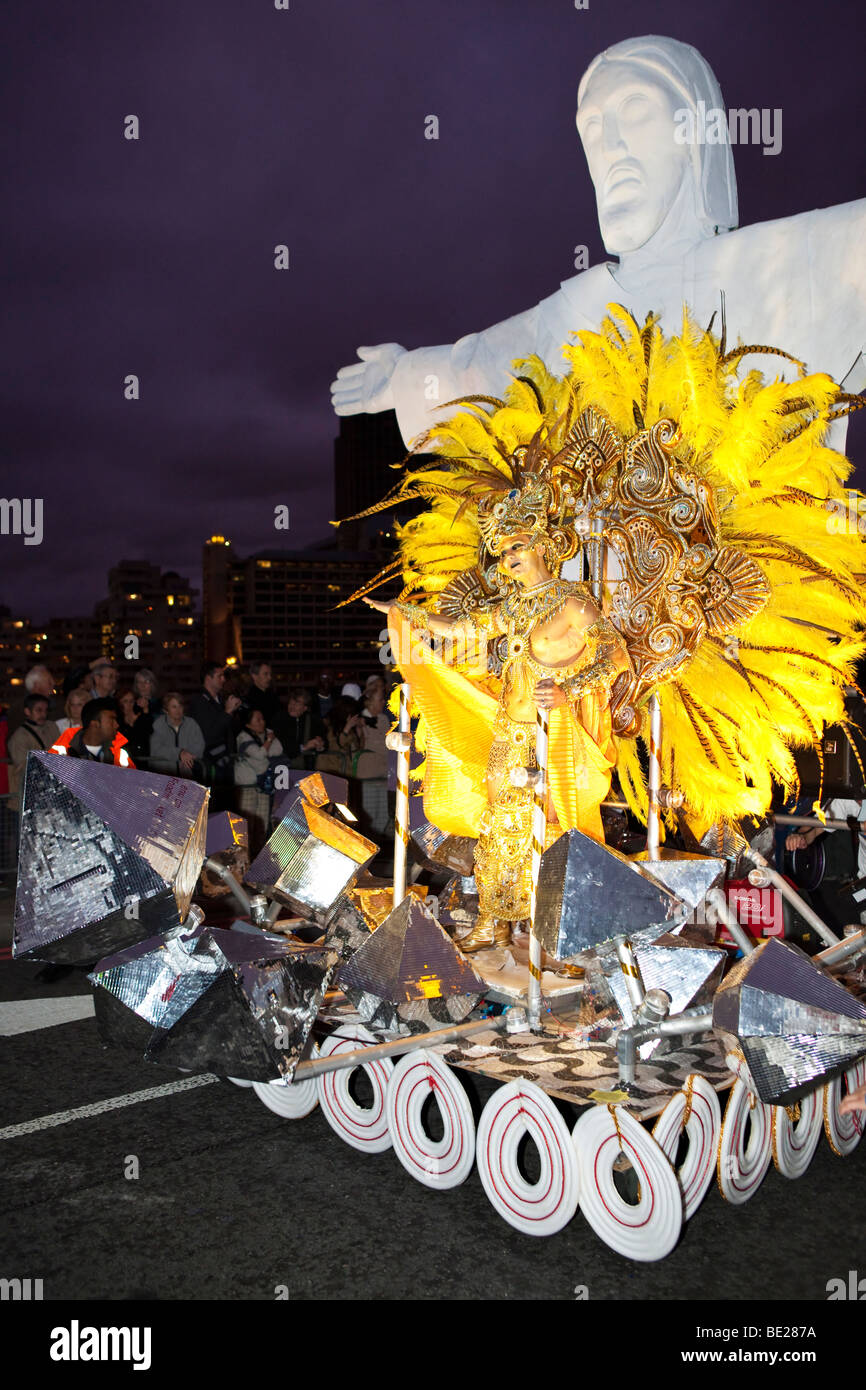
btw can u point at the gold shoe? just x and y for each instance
(481, 935)
(502, 934)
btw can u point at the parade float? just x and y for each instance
(634, 1031)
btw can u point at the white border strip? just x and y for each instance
(84, 1112)
(31, 1015)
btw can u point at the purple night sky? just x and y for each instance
(262, 126)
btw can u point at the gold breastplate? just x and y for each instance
(520, 614)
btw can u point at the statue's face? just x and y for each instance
(626, 124)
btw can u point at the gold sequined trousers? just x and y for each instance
(503, 854)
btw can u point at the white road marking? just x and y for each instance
(27, 1015)
(84, 1112)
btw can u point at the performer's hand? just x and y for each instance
(548, 695)
(795, 842)
(856, 1100)
(377, 604)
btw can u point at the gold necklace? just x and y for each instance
(524, 608)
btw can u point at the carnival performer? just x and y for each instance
(560, 654)
(740, 601)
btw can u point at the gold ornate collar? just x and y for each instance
(525, 608)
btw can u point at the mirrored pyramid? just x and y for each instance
(797, 1026)
(108, 856)
(588, 892)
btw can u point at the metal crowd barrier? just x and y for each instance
(8, 841)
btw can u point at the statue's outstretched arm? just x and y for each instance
(364, 387)
(416, 384)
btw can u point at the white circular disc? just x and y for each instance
(794, 1142)
(543, 1207)
(844, 1132)
(650, 1229)
(703, 1128)
(440, 1163)
(365, 1129)
(290, 1099)
(742, 1166)
(238, 1081)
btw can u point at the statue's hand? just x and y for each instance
(365, 386)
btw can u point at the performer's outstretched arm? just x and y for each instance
(423, 620)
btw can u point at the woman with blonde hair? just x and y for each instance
(75, 702)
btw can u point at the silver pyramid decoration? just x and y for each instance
(107, 857)
(797, 1025)
(589, 893)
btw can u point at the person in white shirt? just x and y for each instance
(372, 764)
(839, 808)
(256, 746)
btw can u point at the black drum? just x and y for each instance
(808, 866)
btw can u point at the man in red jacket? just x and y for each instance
(98, 737)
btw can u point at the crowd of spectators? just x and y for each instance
(232, 736)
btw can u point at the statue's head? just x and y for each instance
(627, 117)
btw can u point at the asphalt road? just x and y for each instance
(232, 1202)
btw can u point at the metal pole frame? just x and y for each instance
(401, 816)
(539, 833)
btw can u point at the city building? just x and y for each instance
(364, 450)
(280, 606)
(156, 611)
(17, 641)
(148, 619)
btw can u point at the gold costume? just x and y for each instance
(473, 741)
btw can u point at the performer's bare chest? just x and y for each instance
(550, 648)
(556, 641)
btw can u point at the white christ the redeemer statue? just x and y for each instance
(667, 208)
